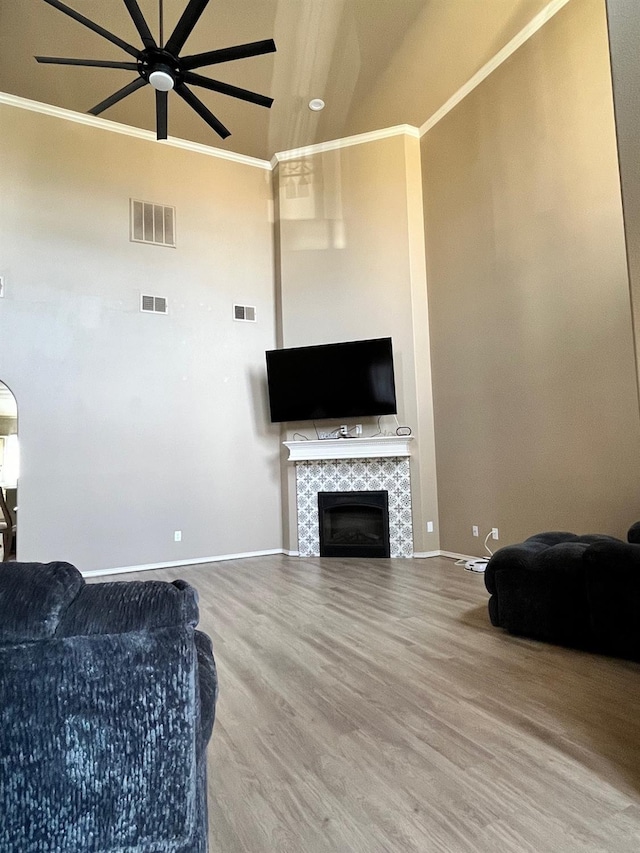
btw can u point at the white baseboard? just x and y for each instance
(119, 570)
(146, 567)
(458, 556)
(449, 554)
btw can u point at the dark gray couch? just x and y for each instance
(107, 702)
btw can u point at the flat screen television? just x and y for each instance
(344, 380)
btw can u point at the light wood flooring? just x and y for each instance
(369, 706)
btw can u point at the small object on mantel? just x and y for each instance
(403, 430)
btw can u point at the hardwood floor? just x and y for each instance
(369, 706)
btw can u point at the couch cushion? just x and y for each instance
(113, 608)
(33, 599)
(565, 557)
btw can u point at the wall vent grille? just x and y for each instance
(152, 223)
(153, 304)
(244, 313)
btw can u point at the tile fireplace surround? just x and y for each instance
(353, 465)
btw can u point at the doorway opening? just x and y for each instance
(9, 472)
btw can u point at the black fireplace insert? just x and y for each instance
(354, 524)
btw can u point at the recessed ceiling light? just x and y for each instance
(316, 104)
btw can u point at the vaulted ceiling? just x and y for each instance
(375, 63)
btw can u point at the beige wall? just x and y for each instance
(535, 396)
(624, 38)
(134, 425)
(352, 266)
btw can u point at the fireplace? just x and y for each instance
(354, 524)
(336, 465)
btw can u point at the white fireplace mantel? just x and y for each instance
(348, 448)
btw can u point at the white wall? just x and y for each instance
(133, 425)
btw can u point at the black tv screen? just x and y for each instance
(344, 380)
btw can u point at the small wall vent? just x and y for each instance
(244, 313)
(153, 304)
(152, 223)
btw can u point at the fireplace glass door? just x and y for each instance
(354, 524)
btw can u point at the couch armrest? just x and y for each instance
(34, 598)
(522, 555)
(506, 559)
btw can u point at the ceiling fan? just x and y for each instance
(160, 65)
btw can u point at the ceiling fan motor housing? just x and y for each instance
(160, 69)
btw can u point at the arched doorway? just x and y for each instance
(9, 471)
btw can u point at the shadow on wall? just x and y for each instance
(259, 398)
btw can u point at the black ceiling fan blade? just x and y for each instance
(94, 63)
(162, 117)
(227, 54)
(185, 25)
(226, 89)
(203, 111)
(129, 48)
(141, 25)
(118, 96)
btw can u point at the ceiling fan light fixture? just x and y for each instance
(161, 80)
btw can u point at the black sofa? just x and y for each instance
(580, 591)
(107, 702)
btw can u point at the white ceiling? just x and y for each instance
(376, 63)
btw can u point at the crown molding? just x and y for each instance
(127, 130)
(345, 142)
(517, 41)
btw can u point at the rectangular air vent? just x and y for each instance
(152, 223)
(153, 304)
(244, 313)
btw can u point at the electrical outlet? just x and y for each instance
(475, 531)
(344, 429)
(429, 526)
(494, 533)
(177, 536)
